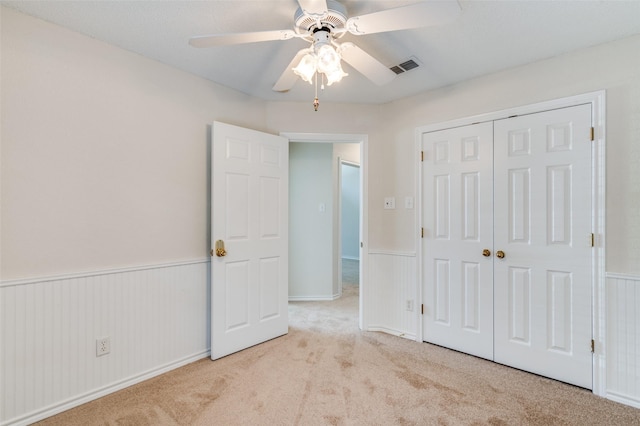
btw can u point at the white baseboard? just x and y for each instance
(99, 393)
(398, 333)
(623, 399)
(313, 298)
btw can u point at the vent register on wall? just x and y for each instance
(322, 23)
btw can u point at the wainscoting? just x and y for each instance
(623, 339)
(391, 283)
(157, 319)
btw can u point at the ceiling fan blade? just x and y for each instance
(313, 7)
(424, 14)
(366, 64)
(240, 38)
(288, 77)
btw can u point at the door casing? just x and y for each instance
(597, 101)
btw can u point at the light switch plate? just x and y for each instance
(408, 202)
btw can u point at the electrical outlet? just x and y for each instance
(409, 305)
(103, 346)
(390, 203)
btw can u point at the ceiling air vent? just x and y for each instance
(405, 66)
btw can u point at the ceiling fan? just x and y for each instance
(322, 23)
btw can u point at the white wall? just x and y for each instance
(311, 263)
(104, 153)
(104, 165)
(104, 215)
(614, 67)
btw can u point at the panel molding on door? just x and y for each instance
(458, 276)
(534, 244)
(249, 216)
(543, 284)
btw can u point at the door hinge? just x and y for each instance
(593, 133)
(421, 232)
(593, 346)
(422, 309)
(422, 156)
(593, 239)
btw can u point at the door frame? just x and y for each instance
(597, 100)
(362, 139)
(341, 163)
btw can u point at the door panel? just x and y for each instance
(458, 227)
(249, 213)
(543, 284)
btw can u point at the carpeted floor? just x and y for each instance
(327, 372)
(350, 272)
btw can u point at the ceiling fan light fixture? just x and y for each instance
(328, 58)
(306, 69)
(335, 75)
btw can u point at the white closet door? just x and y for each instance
(458, 222)
(543, 225)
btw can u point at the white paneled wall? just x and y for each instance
(157, 319)
(391, 283)
(623, 338)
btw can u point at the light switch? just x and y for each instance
(408, 202)
(322, 207)
(390, 203)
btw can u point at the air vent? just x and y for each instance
(409, 65)
(405, 66)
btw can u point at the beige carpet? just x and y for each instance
(327, 372)
(350, 272)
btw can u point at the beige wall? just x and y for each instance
(311, 265)
(104, 153)
(614, 67)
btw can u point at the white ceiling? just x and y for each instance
(488, 36)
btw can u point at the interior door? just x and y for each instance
(249, 271)
(458, 238)
(543, 227)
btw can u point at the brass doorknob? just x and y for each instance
(500, 254)
(486, 252)
(220, 251)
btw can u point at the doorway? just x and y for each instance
(339, 141)
(349, 222)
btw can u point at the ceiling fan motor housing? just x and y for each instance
(336, 17)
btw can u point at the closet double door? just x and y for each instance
(507, 247)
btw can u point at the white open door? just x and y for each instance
(249, 232)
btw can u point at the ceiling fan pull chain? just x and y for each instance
(316, 102)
